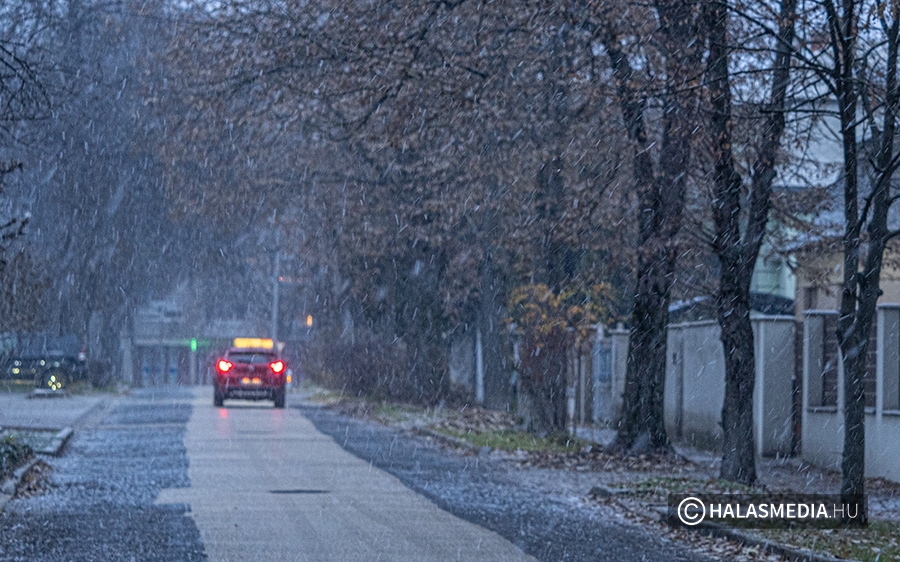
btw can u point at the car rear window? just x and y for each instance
(251, 357)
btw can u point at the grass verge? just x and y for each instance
(16, 386)
(660, 487)
(878, 542)
(512, 440)
(36, 439)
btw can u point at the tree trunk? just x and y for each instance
(853, 459)
(661, 207)
(859, 299)
(737, 251)
(738, 447)
(642, 425)
(849, 333)
(733, 295)
(497, 388)
(558, 258)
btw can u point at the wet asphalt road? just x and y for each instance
(101, 504)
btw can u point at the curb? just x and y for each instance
(59, 441)
(792, 554)
(102, 404)
(10, 486)
(771, 547)
(56, 444)
(41, 393)
(768, 546)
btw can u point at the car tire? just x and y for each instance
(279, 398)
(218, 398)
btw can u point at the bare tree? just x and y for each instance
(448, 154)
(740, 213)
(863, 67)
(661, 186)
(23, 98)
(23, 50)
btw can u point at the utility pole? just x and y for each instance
(275, 283)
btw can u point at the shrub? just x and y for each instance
(13, 453)
(370, 366)
(549, 325)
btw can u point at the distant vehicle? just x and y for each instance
(48, 372)
(48, 362)
(251, 373)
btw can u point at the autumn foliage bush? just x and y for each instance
(549, 325)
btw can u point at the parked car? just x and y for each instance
(48, 372)
(47, 361)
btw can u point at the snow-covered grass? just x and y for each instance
(877, 542)
(16, 386)
(513, 440)
(36, 439)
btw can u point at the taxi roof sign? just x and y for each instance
(256, 343)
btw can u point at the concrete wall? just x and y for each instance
(619, 360)
(610, 356)
(822, 430)
(823, 426)
(695, 384)
(774, 338)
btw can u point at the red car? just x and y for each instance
(251, 374)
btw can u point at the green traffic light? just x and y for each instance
(193, 344)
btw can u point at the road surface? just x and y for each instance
(161, 474)
(266, 485)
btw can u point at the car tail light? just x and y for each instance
(277, 366)
(224, 366)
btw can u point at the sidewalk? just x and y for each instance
(45, 424)
(18, 410)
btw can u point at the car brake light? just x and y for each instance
(224, 366)
(276, 366)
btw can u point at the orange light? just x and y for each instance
(224, 366)
(309, 320)
(245, 380)
(276, 366)
(254, 343)
(290, 379)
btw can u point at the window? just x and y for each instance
(251, 358)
